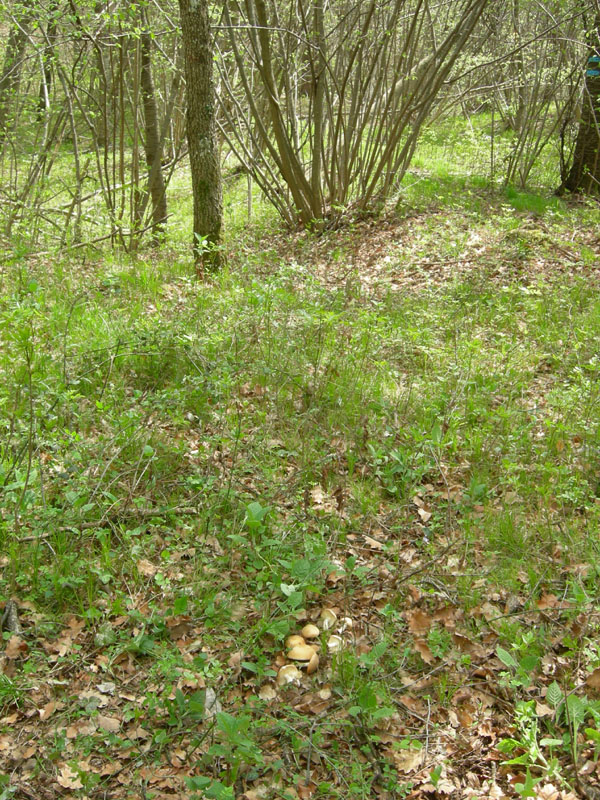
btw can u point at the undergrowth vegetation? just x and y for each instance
(398, 422)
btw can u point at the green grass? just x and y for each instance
(452, 167)
(188, 470)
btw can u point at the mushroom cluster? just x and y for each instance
(303, 648)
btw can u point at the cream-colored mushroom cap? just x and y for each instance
(289, 673)
(328, 618)
(310, 631)
(301, 652)
(312, 664)
(293, 640)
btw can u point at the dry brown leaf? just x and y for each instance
(68, 778)
(111, 768)
(311, 704)
(414, 705)
(335, 577)
(463, 695)
(321, 501)
(593, 679)
(542, 710)
(83, 727)
(453, 718)
(447, 616)
(418, 621)
(15, 648)
(267, 692)
(408, 761)
(423, 650)
(108, 687)
(305, 791)
(137, 732)
(444, 786)
(235, 662)
(47, 710)
(415, 593)
(467, 646)
(464, 717)
(547, 601)
(374, 544)
(547, 792)
(76, 626)
(97, 700)
(111, 724)
(146, 568)
(424, 514)
(59, 649)
(489, 611)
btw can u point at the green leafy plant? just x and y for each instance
(256, 519)
(529, 743)
(211, 788)
(522, 665)
(368, 708)
(6, 789)
(235, 747)
(184, 708)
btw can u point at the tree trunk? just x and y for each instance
(14, 56)
(584, 175)
(152, 142)
(48, 59)
(201, 133)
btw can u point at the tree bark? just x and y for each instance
(152, 142)
(48, 59)
(201, 133)
(584, 175)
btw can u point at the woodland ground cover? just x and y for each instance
(396, 422)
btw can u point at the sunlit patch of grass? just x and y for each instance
(532, 203)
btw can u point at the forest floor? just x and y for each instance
(389, 431)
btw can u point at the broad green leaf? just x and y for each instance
(218, 791)
(435, 775)
(524, 758)
(383, 713)
(508, 745)
(279, 628)
(529, 663)
(180, 604)
(576, 708)
(554, 694)
(367, 699)
(506, 658)
(527, 789)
